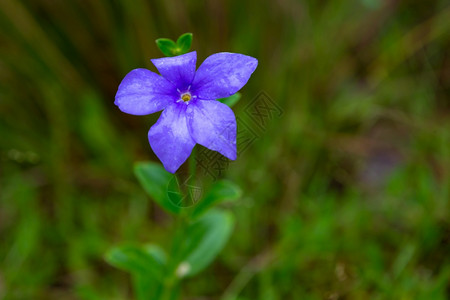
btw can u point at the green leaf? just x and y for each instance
(167, 47)
(221, 191)
(146, 264)
(203, 241)
(232, 100)
(135, 260)
(155, 180)
(157, 253)
(184, 43)
(170, 48)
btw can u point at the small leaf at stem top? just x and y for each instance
(184, 42)
(167, 46)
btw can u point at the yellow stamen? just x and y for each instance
(186, 97)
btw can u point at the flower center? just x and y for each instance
(186, 97)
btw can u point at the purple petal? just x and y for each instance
(143, 92)
(170, 138)
(212, 124)
(223, 74)
(179, 70)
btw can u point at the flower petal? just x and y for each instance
(223, 74)
(212, 124)
(143, 92)
(170, 138)
(179, 70)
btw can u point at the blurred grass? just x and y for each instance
(351, 202)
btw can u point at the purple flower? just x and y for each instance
(191, 115)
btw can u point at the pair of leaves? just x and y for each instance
(148, 265)
(155, 181)
(170, 48)
(198, 246)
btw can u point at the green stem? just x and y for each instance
(181, 222)
(193, 166)
(167, 293)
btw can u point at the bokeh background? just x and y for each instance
(346, 193)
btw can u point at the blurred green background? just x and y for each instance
(346, 194)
